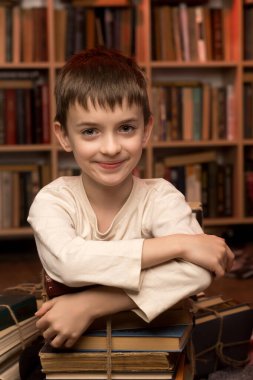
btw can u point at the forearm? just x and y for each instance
(160, 250)
(207, 251)
(108, 300)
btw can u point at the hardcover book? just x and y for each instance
(221, 336)
(69, 360)
(171, 338)
(22, 305)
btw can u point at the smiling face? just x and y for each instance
(107, 143)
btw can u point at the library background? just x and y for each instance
(198, 59)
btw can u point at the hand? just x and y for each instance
(208, 251)
(63, 319)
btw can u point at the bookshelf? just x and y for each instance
(220, 70)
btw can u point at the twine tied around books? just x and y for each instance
(35, 289)
(218, 346)
(12, 314)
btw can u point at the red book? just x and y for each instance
(45, 113)
(28, 116)
(10, 116)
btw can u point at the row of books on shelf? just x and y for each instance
(78, 27)
(192, 33)
(19, 183)
(201, 177)
(193, 111)
(23, 31)
(24, 111)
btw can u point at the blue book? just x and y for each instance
(23, 306)
(171, 338)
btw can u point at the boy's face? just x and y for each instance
(106, 144)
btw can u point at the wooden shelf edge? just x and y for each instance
(193, 64)
(16, 232)
(183, 144)
(227, 221)
(25, 148)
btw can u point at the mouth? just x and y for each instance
(110, 165)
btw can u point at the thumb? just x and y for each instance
(44, 308)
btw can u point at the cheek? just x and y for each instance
(85, 150)
(134, 144)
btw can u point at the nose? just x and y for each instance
(110, 145)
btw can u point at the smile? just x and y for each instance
(110, 165)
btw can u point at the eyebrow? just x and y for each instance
(93, 124)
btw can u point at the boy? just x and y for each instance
(134, 240)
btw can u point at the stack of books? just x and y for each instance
(17, 330)
(221, 334)
(131, 349)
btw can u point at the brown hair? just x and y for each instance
(105, 77)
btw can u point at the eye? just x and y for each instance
(89, 132)
(127, 128)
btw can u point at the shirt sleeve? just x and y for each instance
(166, 284)
(74, 261)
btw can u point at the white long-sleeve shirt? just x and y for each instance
(74, 252)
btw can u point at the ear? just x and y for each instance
(147, 131)
(62, 137)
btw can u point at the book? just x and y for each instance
(184, 30)
(11, 373)
(170, 338)
(222, 340)
(22, 305)
(228, 307)
(16, 30)
(2, 123)
(218, 33)
(16, 349)
(60, 29)
(191, 158)
(27, 35)
(114, 376)
(10, 116)
(14, 335)
(2, 34)
(202, 301)
(60, 360)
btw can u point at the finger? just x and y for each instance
(230, 260)
(44, 308)
(49, 334)
(219, 271)
(58, 341)
(70, 342)
(42, 324)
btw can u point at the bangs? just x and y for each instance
(104, 81)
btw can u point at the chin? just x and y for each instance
(113, 182)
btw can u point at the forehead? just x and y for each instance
(123, 110)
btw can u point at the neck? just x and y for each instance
(108, 197)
